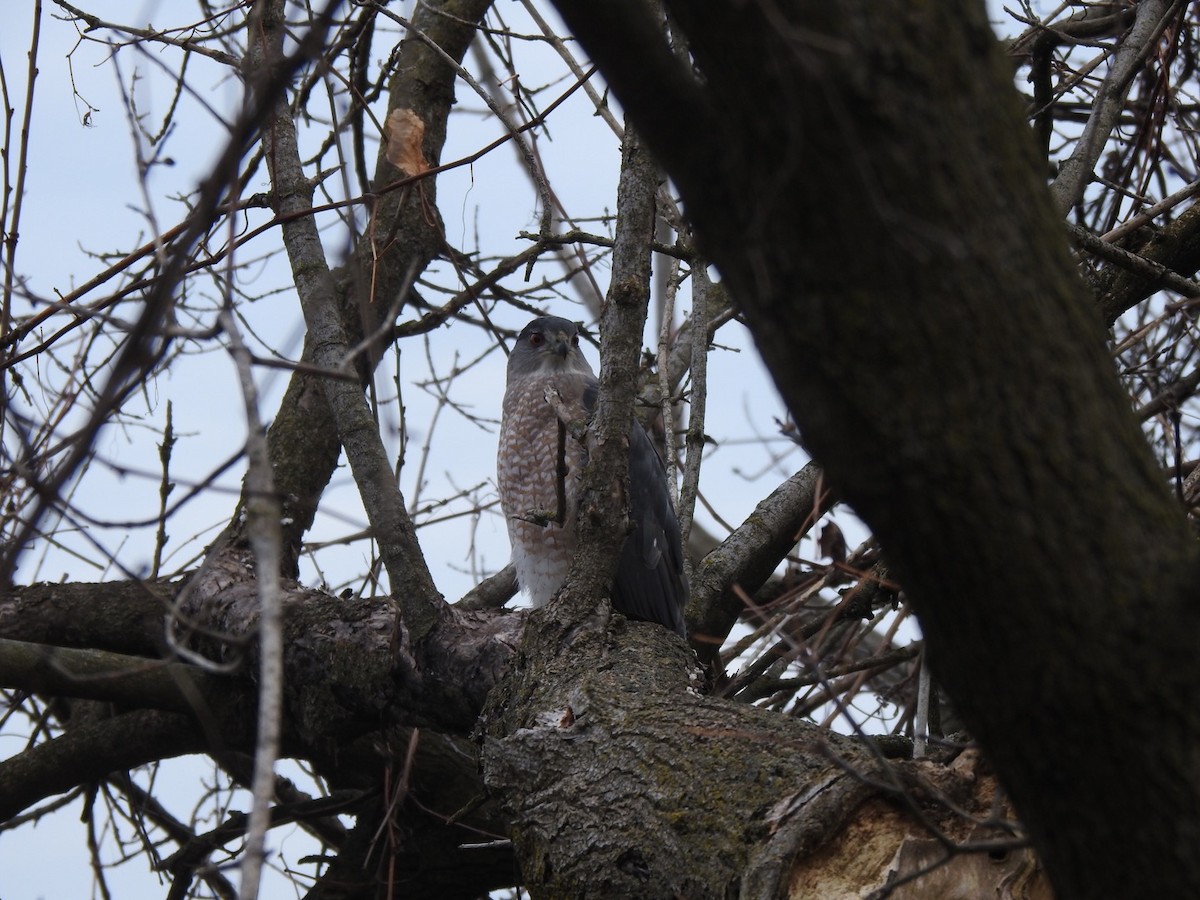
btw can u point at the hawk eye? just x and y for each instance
(537, 339)
(574, 340)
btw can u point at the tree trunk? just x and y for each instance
(620, 780)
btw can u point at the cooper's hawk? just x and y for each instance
(538, 469)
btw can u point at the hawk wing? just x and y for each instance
(650, 583)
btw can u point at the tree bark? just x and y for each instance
(1175, 246)
(621, 781)
(861, 175)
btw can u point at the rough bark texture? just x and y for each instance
(852, 167)
(621, 781)
(123, 616)
(350, 704)
(1176, 246)
(345, 674)
(617, 777)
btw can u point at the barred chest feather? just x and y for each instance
(527, 474)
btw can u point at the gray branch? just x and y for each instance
(748, 556)
(393, 529)
(1076, 173)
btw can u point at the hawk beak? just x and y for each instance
(560, 345)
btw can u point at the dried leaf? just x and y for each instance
(405, 134)
(832, 543)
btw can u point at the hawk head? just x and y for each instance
(548, 346)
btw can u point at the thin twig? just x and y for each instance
(11, 224)
(165, 488)
(701, 286)
(667, 395)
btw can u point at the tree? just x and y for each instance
(851, 171)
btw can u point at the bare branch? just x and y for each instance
(1076, 173)
(118, 678)
(601, 508)
(90, 752)
(381, 496)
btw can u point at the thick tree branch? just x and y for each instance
(90, 751)
(125, 680)
(622, 782)
(340, 673)
(122, 616)
(1170, 398)
(748, 557)
(492, 592)
(1169, 258)
(407, 232)
(367, 680)
(1000, 443)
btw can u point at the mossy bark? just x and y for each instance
(620, 780)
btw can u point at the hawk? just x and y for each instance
(540, 501)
